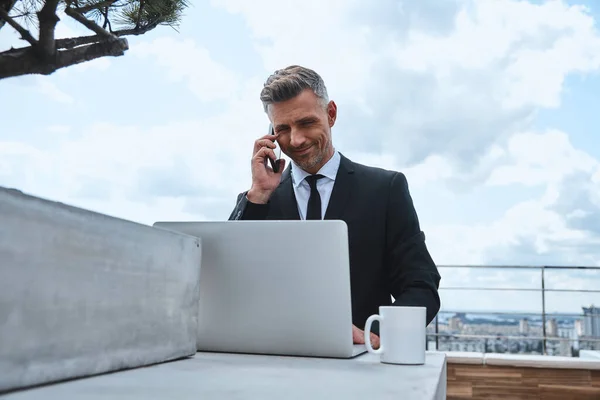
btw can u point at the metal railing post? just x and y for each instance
(437, 334)
(544, 349)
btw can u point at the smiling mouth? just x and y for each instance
(302, 151)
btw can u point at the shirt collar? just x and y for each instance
(329, 170)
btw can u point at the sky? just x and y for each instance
(489, 107)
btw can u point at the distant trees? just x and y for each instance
(109, 20)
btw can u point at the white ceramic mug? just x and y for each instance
(402, 333)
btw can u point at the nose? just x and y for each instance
(297, 138)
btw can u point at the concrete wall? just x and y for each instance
(83, 293)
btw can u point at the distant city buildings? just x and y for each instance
(551, 327)
(455, 324)
(591, 321)
(492, 333)
(524, 326)
(579, 327)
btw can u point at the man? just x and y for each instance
(388, 255)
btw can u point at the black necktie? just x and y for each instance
(313, 210)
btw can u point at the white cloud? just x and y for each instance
(195, 166)
(541, 158)
(336, 49)
(529, 47)
(186, 61)
(557, 226)
(49, 88)
(59, 129)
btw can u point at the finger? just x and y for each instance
(265, 141)
(268, 145)
(267, 137)
(358, 336)
(359, 339)
(263, 153)
(375, 341)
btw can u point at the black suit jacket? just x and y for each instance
(388, 255)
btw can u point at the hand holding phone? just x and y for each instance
(264, 179)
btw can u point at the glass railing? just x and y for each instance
(549, 310)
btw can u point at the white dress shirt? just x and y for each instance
(324, 185)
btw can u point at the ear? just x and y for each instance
(331, 113)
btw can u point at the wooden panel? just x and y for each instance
(460, 390)
(505, 392)
(561, 392)
(503, 382)
(596, 378)
(546, 376)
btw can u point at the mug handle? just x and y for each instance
(367, 331)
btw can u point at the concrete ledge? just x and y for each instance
(589, 354)
(534, 361)
(222, 376)
(464, 357)
(83, 293)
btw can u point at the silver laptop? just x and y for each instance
(274, 287)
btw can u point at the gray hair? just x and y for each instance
(287, 83)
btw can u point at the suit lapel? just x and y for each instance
(287, 198)
(344, 181)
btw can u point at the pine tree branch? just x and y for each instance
(17, 62)
(48, 20)
(91, 25)
(25, 35)
(70, 43)
(100, 4)
(6, 5)
(106, 20)
(48, 54)
(139, 16)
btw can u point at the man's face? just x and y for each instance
(304, 129)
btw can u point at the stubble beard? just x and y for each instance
(312, 162)
(316, 160)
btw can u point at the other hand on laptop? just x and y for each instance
(358, 337)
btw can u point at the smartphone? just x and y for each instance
(276, 150)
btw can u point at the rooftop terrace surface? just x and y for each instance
(241, 376)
